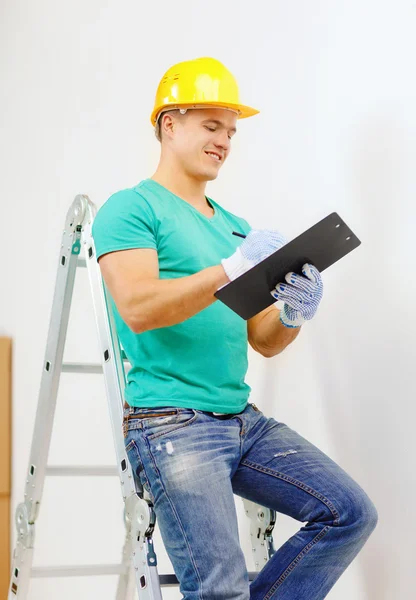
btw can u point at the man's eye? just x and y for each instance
(210, 128)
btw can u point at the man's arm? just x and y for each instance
(146, 302)
(166, 302)
(267, 335)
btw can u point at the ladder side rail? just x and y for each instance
(110, 355)
(28, 510)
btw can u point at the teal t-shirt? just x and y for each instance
(202, 362)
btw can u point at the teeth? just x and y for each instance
(213, 155)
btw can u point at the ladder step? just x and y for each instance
(69, 471)
(81, 368)
(84, 367)
(78, 571)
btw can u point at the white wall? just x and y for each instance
(334, 81)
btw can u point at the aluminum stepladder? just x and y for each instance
(138, 568)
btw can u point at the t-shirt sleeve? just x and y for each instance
(125, 221)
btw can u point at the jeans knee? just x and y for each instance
(365, 514)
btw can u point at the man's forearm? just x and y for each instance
(272, 336)
(165, 302)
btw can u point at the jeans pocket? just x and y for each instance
(162, 424)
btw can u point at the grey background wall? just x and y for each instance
(336, 132)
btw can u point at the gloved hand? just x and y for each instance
(301, 296)
(257, 246)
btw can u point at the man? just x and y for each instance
(191, 435)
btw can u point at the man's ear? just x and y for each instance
(168, 124)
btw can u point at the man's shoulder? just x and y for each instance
(129, 198)
(126, 204)
(126, 194)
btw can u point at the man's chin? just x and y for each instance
(205, 174)
(210, 175)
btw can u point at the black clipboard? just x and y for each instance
(322, 245)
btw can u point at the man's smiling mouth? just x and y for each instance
(214, 156)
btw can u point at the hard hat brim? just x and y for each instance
(242, 110)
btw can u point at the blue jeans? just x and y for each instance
(192, 463)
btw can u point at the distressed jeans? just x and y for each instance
(192, 463)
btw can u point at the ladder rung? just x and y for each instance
(84, 367)
(68, 471)
(77, 571)
(81, 368)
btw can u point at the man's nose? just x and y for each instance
(223, 141)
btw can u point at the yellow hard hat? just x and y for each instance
(199, 83)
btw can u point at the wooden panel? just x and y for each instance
(5, 414)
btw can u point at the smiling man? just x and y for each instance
(192, 437)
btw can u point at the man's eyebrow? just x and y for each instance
(233, 129)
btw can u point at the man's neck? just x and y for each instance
(190, 190)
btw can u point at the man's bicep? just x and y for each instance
(123, 271)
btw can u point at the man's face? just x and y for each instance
(201, 132)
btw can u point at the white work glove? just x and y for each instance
(301, 296)
(257, 246)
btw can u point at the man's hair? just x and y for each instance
(173, 111)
